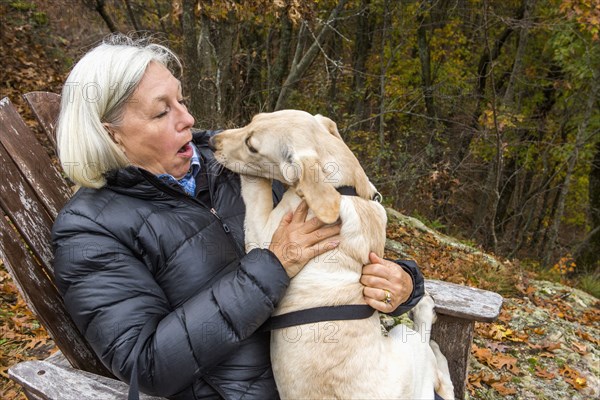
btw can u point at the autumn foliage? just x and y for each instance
(480, 117)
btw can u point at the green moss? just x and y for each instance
(22, 5)
(590, 283)
(40, 18)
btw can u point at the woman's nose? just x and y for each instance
(186, 119)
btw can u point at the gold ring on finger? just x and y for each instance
(387, 299)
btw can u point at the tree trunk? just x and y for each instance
(425, 58)
(491, 191)
(282, 61)
(334, 72)
(508, 180)
(302, 62)
(486, 59)
(101, 8)
(562, 195)
(131, 16)
(160, 16)
(382, 80)
(525, 22)
(359, 60)
(507, 190)
(540, 233)
(225, 37)
(191, 60)
(588, 256)
(523, 198)
(207, 102)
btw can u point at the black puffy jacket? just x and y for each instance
(140, 255)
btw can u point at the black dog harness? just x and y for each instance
(327, 313)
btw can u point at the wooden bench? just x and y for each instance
(32, 191)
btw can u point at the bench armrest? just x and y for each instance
(45, 380)
(463, 301)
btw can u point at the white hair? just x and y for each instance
(94, 96)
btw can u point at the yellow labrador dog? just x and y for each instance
(348, 359)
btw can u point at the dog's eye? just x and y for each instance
(250, 148)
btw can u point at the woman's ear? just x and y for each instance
(112, 132)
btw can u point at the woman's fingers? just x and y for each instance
(301, 212)
(387, 285)
(296, 240)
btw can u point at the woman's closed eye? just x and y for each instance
(183, 101)
(162, 114)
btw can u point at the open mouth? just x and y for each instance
(185, 148)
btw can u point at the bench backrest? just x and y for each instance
(32, 192)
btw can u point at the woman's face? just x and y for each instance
(155, 131)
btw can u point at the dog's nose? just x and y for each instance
(211, 143)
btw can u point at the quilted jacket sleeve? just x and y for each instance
(418, 287)
(112, 295)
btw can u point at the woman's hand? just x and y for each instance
(387, 285)
(296, 241)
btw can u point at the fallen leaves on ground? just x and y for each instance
(546, 341)
(536, 341)
(22, 336)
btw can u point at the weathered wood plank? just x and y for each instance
(51, 382)
(31, 159)
(44, 300)
(454, 336)
(45, 107)
(20, 203)
(463, 301)
(58, 358)
(32, 396)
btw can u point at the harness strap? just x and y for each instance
(321, 314)
(317, 314)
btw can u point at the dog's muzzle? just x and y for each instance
(211, 144)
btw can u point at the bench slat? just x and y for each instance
(44, 300)
(464, 301)
(50, 382)
(25, 210)
(45, 107)
(32, 159)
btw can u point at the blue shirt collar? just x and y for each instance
(188, 182)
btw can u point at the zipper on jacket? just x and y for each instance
(192, 200)
(154, 181)
(225, 227)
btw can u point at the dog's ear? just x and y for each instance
(329, 124)
(321, 197)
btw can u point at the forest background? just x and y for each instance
(481, 118)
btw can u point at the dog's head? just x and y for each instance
(299, 149)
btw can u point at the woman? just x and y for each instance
(149, 253)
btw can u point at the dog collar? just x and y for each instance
(351, 191)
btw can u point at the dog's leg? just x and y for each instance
(443, 384)
(258, 197)
(424, 317)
